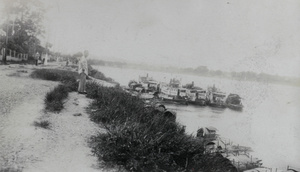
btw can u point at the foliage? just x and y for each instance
(143, 139)
(54, 99)
(23, 25)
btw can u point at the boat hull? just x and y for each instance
(217, 105)
(175, 101)
(235, 107)
(198, 102)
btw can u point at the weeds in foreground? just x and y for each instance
(43, 124)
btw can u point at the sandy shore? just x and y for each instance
(25, 147)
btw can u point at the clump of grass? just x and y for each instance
(54, 99)
(144, 139)
(43, 124)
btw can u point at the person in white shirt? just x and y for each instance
(83, 72)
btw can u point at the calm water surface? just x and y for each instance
(269, 123)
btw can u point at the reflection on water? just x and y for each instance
(269, 123)
(217, 110)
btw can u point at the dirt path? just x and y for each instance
(25, 147)
(66, 143)
(22, 103)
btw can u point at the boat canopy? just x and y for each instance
(211, 128)
(234, 96)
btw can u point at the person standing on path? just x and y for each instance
(83, 72)
(37, 55)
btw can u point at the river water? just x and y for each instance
(269, 123)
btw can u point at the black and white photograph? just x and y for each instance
(149, 86)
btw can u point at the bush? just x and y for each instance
(54, 99)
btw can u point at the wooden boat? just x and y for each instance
(234, 101)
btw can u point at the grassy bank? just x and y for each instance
(143, 139)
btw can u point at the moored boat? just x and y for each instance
(216, 98)
(145, 88)
(197, 96)
(174, 95)
(234, 101)
(173, 92)
(148, 83)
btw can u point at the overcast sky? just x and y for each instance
(256, 35)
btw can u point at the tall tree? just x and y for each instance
(23, 25)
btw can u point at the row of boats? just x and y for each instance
(173, 92)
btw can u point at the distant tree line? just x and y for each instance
(107, 63)
(205, 71)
